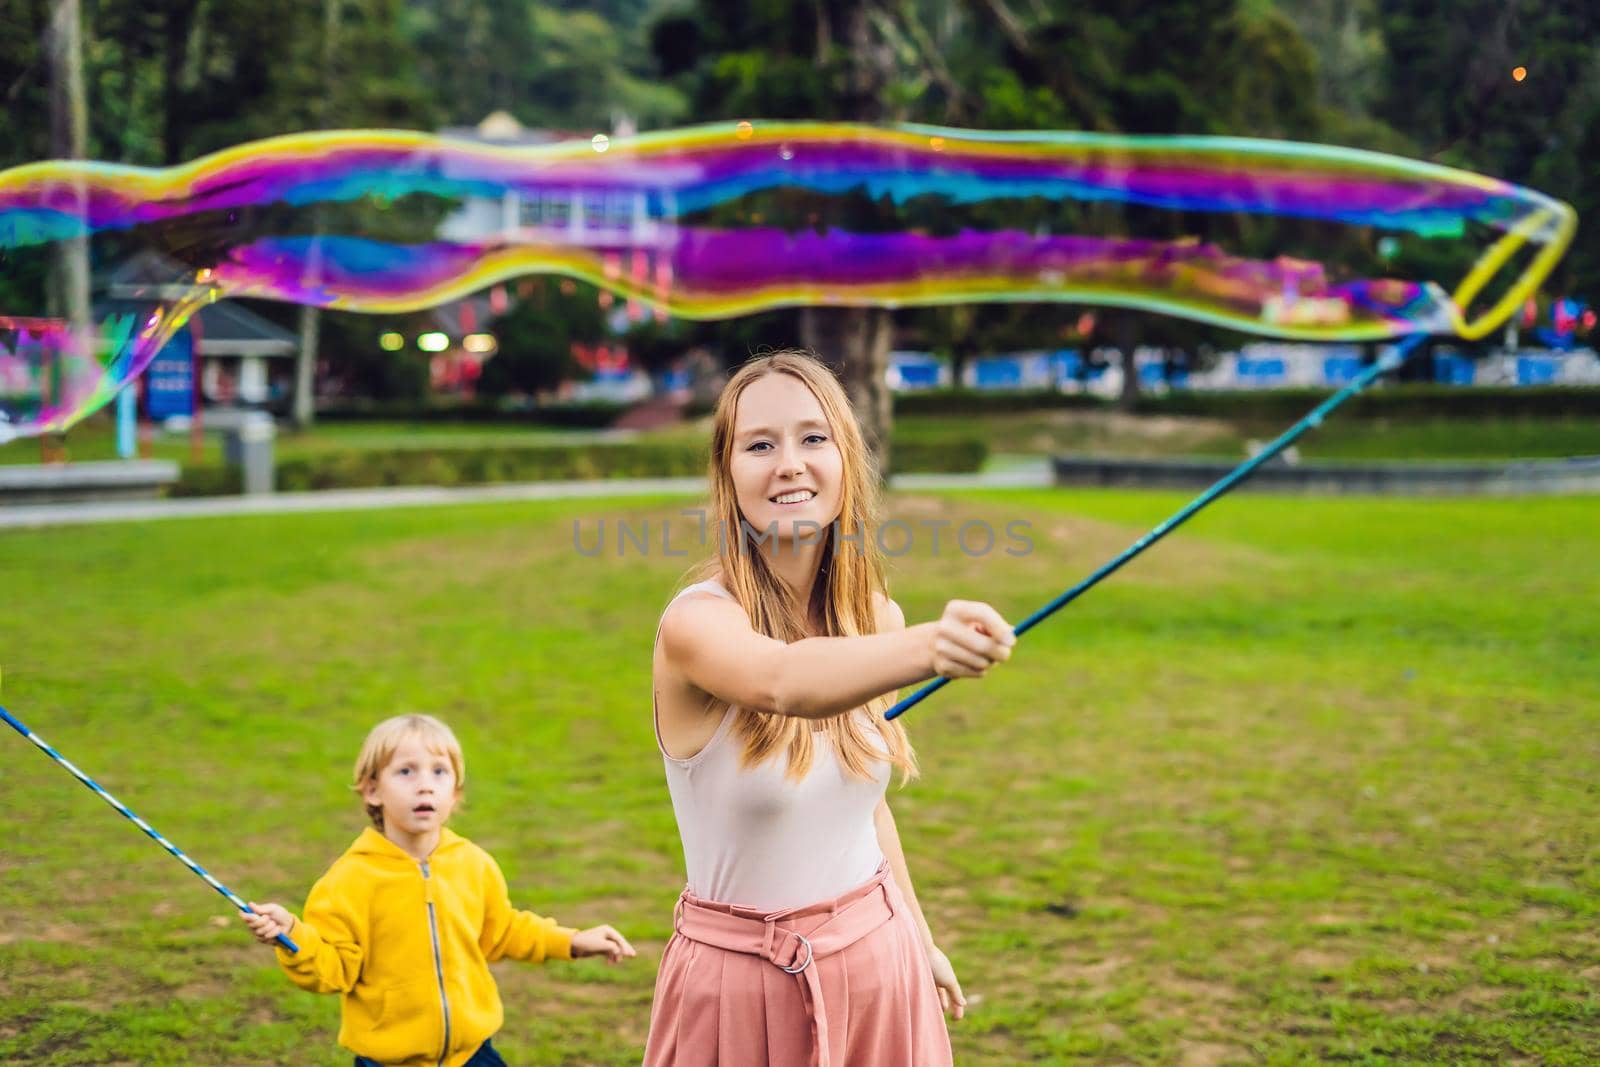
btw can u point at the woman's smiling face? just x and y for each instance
(786, 467)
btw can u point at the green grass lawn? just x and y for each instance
(1469, 439)
(1314, 780)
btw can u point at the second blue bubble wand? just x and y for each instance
(149, 830)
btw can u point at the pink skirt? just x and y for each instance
(843, 983)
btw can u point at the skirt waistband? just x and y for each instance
(850, 918)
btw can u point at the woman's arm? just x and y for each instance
(944, 975)
(709, 641)
(891, 618)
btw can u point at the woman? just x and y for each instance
(799, 939)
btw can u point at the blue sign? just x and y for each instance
(1452, 369)
(169, 380)
(1340, 370)
(999, 372)
(1263, 370)
(1538, 370)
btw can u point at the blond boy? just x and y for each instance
(406, 922)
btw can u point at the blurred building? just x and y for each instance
(244, 358)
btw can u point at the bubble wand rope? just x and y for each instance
(140, 823)
(1386, 363)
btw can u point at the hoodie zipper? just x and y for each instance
(438, 968)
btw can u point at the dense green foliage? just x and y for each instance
(1421, 79)
(166, 82)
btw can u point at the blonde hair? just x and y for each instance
(387, 737)
(843, 595)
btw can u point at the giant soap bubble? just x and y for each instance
(1277, 238)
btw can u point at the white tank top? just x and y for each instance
(754, 837)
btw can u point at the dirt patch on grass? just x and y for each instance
(1049, 543)
(480, 556)
(1320, 962)
(49, 933)
(1098, 976)
(1197, 991)
(1475, 999)
(1208, 1054)
(1115, 432)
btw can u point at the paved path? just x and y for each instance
(664, 409)
(40, 515)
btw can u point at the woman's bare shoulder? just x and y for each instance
(887, 612)
(698, 614)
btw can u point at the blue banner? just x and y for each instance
(169, 380)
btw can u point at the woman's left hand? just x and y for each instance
(944, 976)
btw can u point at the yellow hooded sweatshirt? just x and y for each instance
(409, 944)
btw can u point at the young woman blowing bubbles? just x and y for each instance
(799, 939)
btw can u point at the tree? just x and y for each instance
(654, 346)
(537, 338)
(1450, 89)
(834, 59)
(1143, 66)
(1205, 66)
(68, 139)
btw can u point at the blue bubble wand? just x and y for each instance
(1384, 364)
(149, 830)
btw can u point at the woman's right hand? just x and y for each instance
(969, 638)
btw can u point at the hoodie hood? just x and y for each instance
(374, 845)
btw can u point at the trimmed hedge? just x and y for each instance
(367, 468)
(991, 401)
(1402, 401)
(592, 414)
(471, 466)
(961, 455)
(1278, 405)
(210, 480)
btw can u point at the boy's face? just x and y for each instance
(417, 790)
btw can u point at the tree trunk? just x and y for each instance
(305, 365)
(1125, 335)
(959, 358)
(963, 347)
(68, 294)
(855, 343)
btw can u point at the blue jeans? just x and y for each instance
(486, 1056)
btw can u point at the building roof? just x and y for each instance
(228, 328)
(225, 328)
(500, 127)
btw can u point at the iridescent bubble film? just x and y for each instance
(1274, 238)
